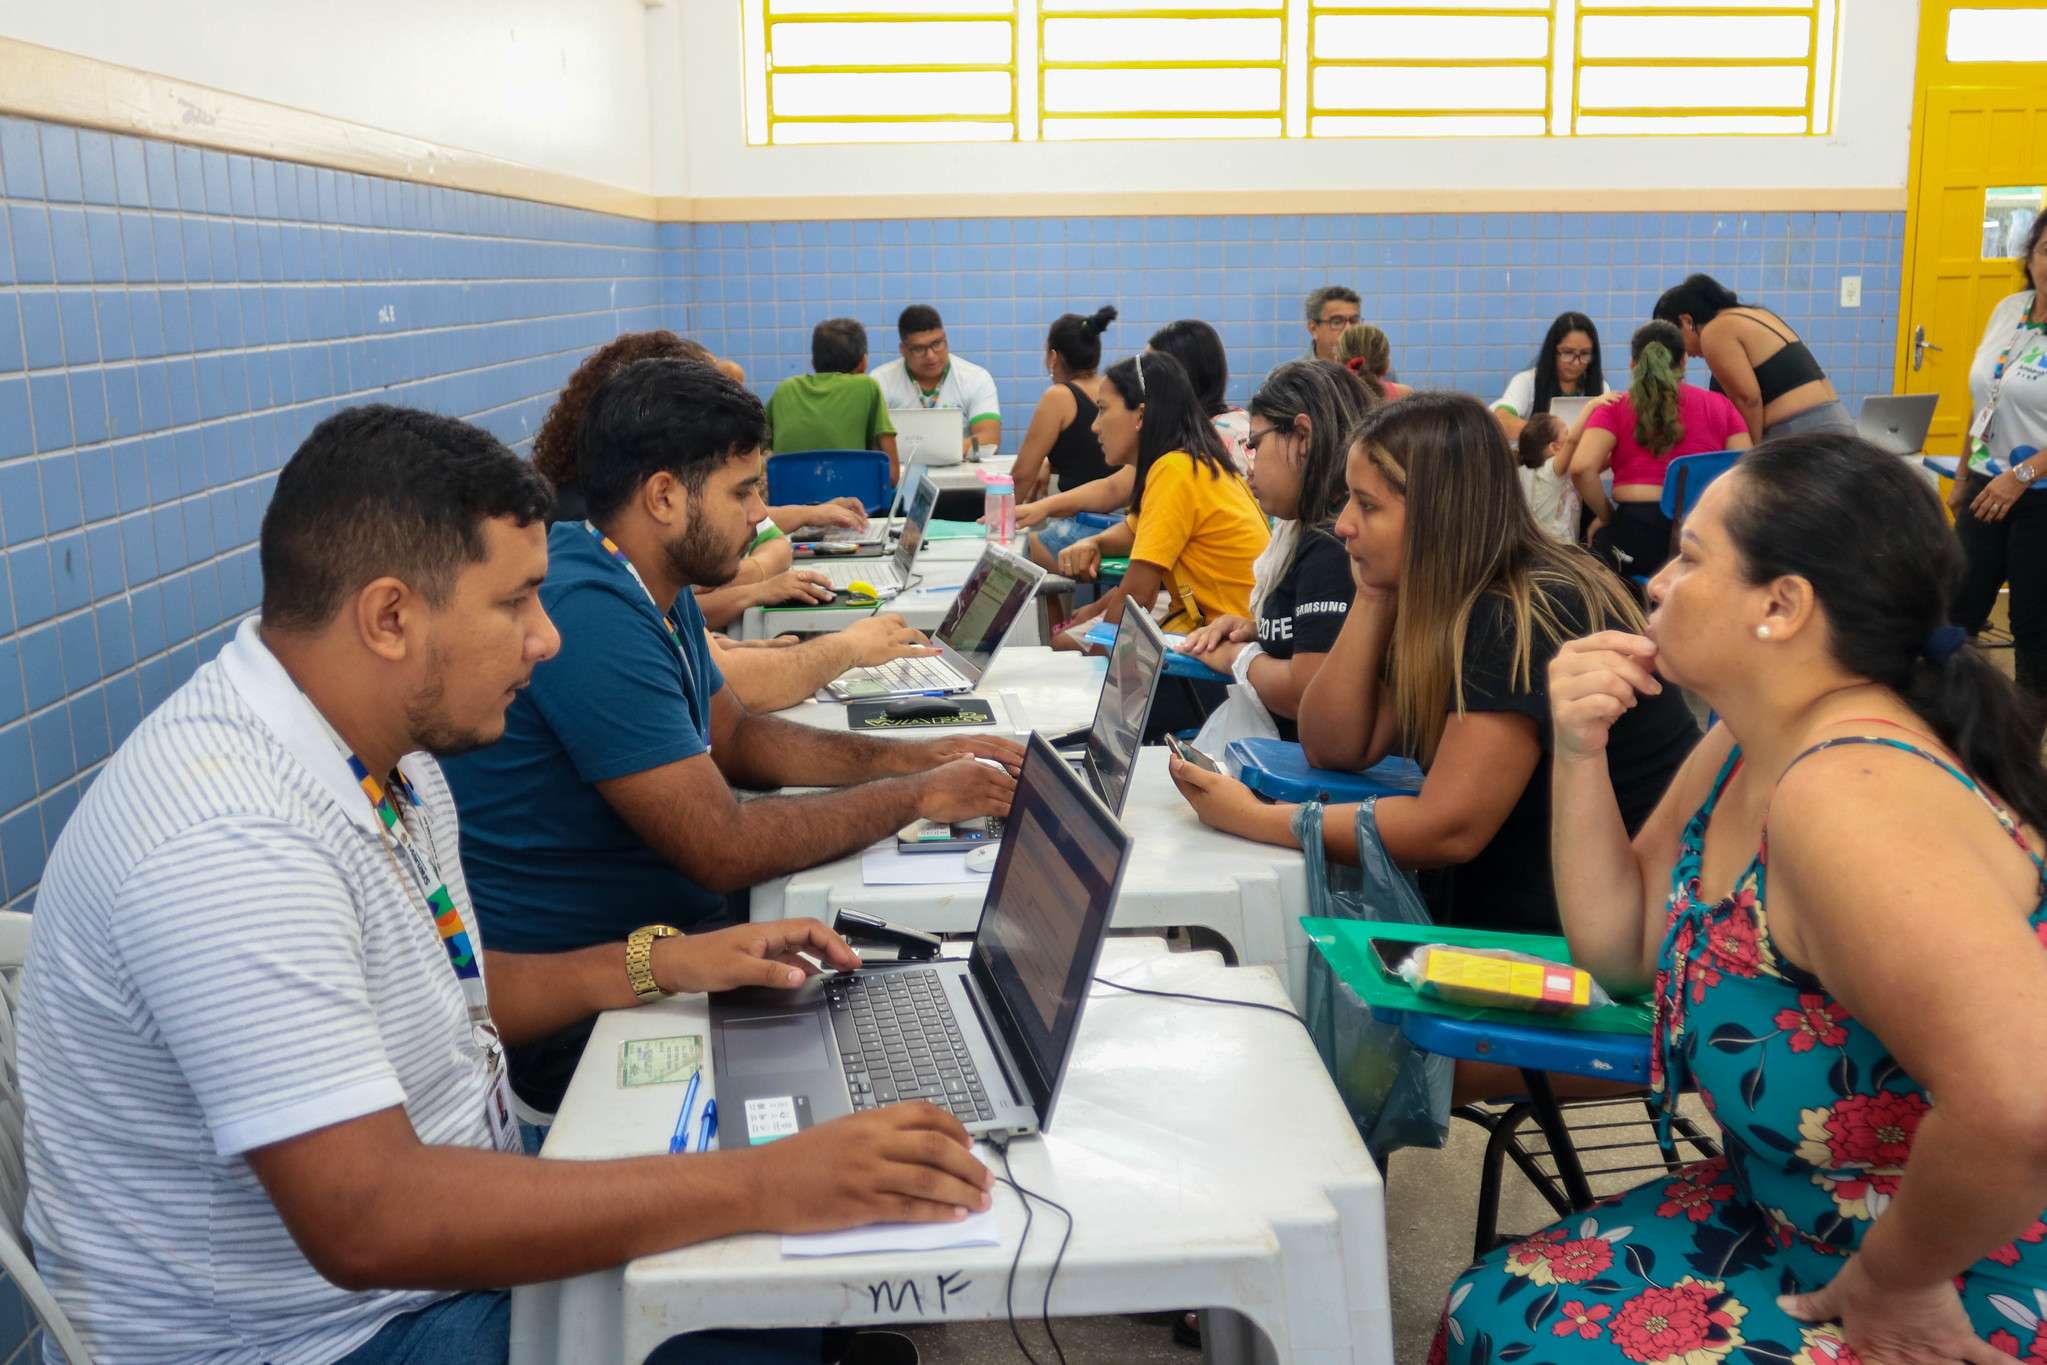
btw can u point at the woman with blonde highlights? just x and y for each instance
(1461, 601)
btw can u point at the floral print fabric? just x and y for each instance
(1816, 1121)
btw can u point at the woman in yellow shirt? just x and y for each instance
(1194, 528)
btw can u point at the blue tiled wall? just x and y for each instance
(172, 323)
(1464, 297)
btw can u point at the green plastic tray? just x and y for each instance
(1347, 944)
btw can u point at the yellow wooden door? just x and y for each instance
(1979, 147)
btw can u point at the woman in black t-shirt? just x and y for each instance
(1300, 418)
(1460, 602)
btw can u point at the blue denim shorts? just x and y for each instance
(1060, 532)
(476, 1329)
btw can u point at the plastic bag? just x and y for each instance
(1242, 716)
(1397, 1095)
(1500, 978)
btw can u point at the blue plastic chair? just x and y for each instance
(1687, 477)
(1280, 771)
(1537, 1051)
(811, 476)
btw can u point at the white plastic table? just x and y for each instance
(1205, 1155)
(1181, 873)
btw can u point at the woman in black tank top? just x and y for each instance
(1785, 391)
(1061, 438)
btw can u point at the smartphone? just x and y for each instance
(1187, 753)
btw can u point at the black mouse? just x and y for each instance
(917, 708)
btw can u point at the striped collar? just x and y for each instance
(254, 672)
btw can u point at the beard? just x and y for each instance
(428, 723)
(697, 557)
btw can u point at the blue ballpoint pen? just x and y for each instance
(708, 1128)
(679, 1142)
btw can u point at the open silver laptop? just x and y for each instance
(893, 573)
(988, 1038)
(1897, 421)
(1566, 408)
(1136, 663)
(933, 436)
(989, 605)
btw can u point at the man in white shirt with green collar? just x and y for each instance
(929, 375)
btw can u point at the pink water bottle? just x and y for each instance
(998, 514)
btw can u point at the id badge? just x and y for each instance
(1980, 428)
(497, 1106)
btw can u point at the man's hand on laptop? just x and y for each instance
(964, 789)
(908, 1163)
(878, 639)
(806, 587)
(929, 753)
(768, 953)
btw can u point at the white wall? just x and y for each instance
(1868, 149)
(560, 84)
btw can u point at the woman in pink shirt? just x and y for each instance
(1638, 433)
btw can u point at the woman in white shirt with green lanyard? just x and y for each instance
(2000, 513)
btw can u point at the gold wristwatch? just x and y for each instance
(639, 960)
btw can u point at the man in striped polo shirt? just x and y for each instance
(266, 1114)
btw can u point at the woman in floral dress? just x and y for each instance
(1839, 906)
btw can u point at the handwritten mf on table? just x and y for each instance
(929, 1298)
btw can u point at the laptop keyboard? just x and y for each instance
(899, 1041)
(927, 674)
(841, 575)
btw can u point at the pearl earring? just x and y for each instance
(1762, 632)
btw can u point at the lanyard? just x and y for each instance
(420, 872)
(930, 400)
(1979, 430)
(667, 617)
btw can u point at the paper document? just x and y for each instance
(886, 867)
(975, 1230)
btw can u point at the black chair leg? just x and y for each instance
(1569, 1171)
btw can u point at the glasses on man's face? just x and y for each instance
(1582, 357)
(927, 348)
(1339, 322)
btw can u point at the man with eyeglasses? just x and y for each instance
(1331, 309)
(931, 376)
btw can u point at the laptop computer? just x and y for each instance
(1565, 408)
(989, 605)
(935, 436)
(1897, 421)
(1109, 747)
(892, 573)
(850, 542)
(988, 1038)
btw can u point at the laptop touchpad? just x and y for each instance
(775, 1045)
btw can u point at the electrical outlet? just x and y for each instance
(1851, 291)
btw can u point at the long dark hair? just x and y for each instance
(1333, 399)
(1469, 533)
(1868, 534)
(1593, 381)
(2033, 235)
(1078, 340)
(1700, 298)
(1658, 352)
(1199, 350)
(1173, 419)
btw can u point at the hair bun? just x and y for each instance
(1099, 323)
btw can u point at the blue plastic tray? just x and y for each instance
(1178, 665)
(1276, 769)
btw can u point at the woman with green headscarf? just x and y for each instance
(1638, 433)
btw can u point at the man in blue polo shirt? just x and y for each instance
(606, 811)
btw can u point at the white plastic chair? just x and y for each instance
(16, 1269)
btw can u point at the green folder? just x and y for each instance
(955, 530)
(1347, 943)
(1114, 568)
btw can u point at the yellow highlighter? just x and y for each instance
(862, 589)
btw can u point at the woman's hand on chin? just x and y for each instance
(1595, 681)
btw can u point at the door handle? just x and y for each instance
(1920, 346)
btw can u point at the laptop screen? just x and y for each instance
(1047, 913)
(1134, 663)
(923, 496)
(994, 594)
